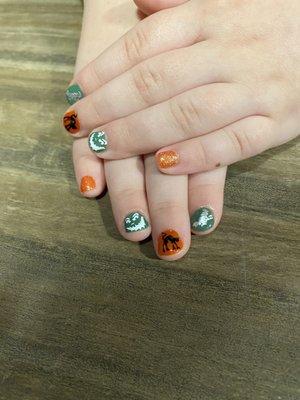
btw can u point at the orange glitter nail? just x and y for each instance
(167, 159)
(169, 243)
(87, 183)
(71, 122)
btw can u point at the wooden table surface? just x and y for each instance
(87, 315)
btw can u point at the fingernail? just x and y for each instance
(167, 159)
(169, 243)
(88, 183)
(98, 142)
(74, 94)
(135, 222)
(71, 122)
(203, 219)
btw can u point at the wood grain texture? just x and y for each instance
(87, 315)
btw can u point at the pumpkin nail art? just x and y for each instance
(71, 122)
(167, 159)
(135, 222)
(88, 183)
(74, 94)
(202, 219)
(169, 243)
(98, 141)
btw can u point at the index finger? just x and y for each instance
(164, 31)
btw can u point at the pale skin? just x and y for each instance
(214, 81)
(166, 198)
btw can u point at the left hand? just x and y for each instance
(224, 77)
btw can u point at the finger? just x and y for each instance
(126, 188)
(89, 171)
(193, 113)
(235, 142)
(151, 6)
(168, 206)
(151, 82)
(159, 33)
(206, 196)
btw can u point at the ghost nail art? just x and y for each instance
(98, 141)
(203, 219)
(135, 222)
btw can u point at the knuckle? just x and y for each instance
(123, 139)
(94, 105)
(187, 116)
(126, 195)
(241, 142)
(147, 81)
(170, 207)
(199, 158)
(134, 45)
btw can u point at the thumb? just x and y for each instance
(152, 6)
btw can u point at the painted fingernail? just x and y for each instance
(203, 219)
(98, 142)
(71, 122)
(74, 94)
(88, 183)
(169, 243)
(167, 159)
(135, 222)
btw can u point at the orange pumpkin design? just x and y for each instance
(71, 122)
(169, 243)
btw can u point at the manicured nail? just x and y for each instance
(203, 219)
(71, 122)
(74, 94)
(98, 142)
(88, 183)
(167, 159)
(169, 243)
(135, 222)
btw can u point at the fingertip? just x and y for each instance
(137, 236)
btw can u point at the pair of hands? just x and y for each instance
(199, 75)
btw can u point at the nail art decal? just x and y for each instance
(98, 142)
(135, 222)
(167, 159)
(169, 243)
(88, 183)
(203, 219)
(74, 94)
(71, 122)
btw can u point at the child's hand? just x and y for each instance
(225, 75)
(164, 202)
